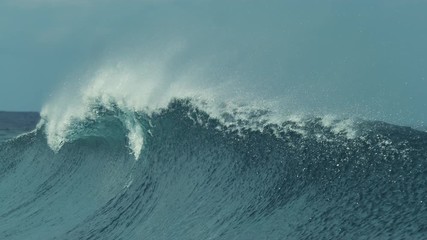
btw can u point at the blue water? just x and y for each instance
(13, 124)
(198, 176)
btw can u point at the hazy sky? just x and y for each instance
(366, 57)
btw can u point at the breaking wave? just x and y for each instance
(193, 170)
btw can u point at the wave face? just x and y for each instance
(181, 173)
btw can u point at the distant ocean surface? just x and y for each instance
(14, 123)
(182, 172)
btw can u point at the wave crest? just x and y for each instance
(97, 118)
(124, 98)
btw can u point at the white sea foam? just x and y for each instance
(128, 87)
(340, 126)
(148, 86)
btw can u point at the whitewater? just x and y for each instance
(120, 158)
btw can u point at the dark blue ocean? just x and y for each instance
(181, 173)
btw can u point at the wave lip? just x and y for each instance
(96, 117)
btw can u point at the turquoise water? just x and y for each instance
(225, 119)
(203, 177)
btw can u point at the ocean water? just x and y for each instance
(13, 124)
(213, 120)
(192, 170)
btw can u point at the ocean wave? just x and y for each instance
(240, 175)
(208, 167)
